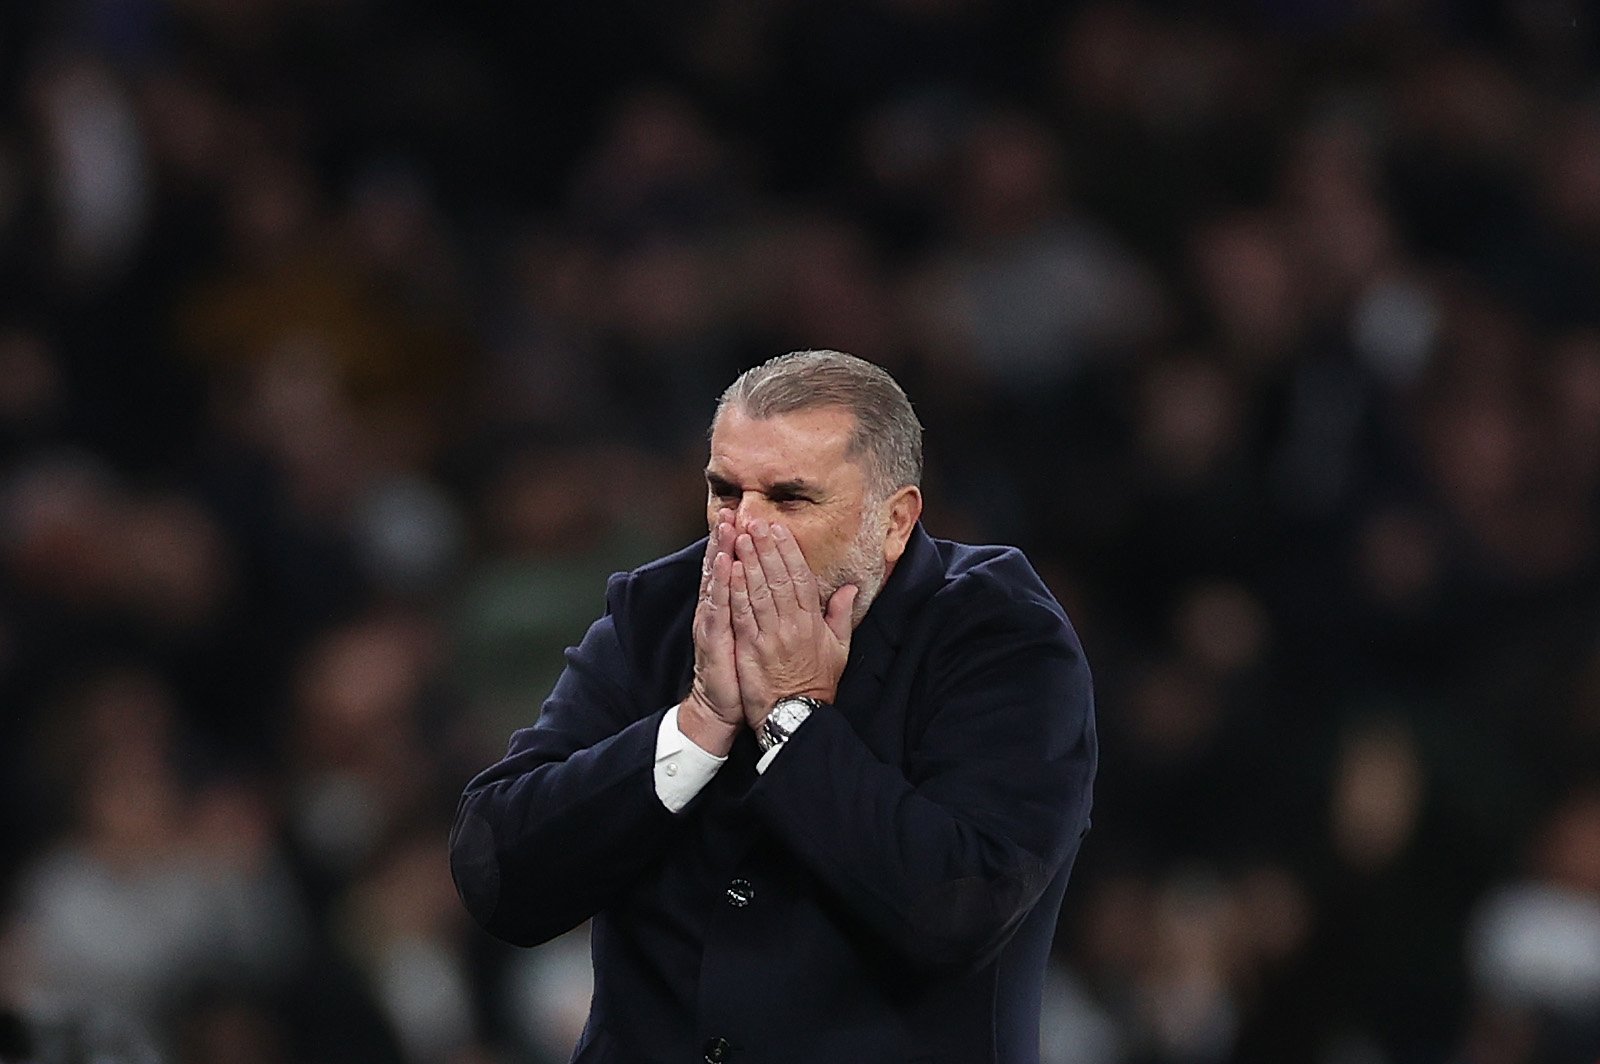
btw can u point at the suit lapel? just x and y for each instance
(876, 643)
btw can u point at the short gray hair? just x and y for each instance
(887, 431)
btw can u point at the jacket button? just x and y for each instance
(717, 1051)
(740, 893)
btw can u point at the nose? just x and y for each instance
(752, 505)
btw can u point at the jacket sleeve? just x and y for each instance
(946, 858)
(550, 834)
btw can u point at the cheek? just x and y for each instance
(824, 543)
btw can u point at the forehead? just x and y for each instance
(810, 444)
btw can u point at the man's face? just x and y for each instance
(794, 469)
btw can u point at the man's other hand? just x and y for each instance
(785, 642)
(712, 713)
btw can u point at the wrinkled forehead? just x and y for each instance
(808, 442)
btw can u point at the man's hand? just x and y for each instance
(712, 713)
(784, 641)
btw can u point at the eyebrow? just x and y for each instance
(794, 488)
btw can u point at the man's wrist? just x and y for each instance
(682, 769)
(704, 728)
(786, 715)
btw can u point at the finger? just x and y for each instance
(714, 605)
(840, 616)
(773, 568)
(718, 539)
(762, 607)
(801, 579)
(705, 566)
(743, 617)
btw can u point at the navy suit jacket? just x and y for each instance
(886, 891)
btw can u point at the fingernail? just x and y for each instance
(779, 532)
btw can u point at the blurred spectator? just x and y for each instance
(409, 938)
(343, 352)
(1535, 943)
(157, 886)
(65, 1040)
(358, 769)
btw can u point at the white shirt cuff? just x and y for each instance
(682, 768)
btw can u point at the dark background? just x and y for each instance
(345, 347)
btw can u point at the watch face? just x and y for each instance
(789, 712)
(787, 715)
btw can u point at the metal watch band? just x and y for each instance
(787, 715)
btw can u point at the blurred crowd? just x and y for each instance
(346, 346)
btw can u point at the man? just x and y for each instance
(819, 780)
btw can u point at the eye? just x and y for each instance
(789, 502)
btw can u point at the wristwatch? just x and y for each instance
(787, 714)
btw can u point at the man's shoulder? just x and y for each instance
(991, 573)
(672, 578)
(988, 608)
(674, 566)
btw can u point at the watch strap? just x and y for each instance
(787, 715)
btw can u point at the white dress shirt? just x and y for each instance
(683, 769)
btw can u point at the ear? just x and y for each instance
(905, 506)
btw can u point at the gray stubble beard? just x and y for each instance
(863, 565)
